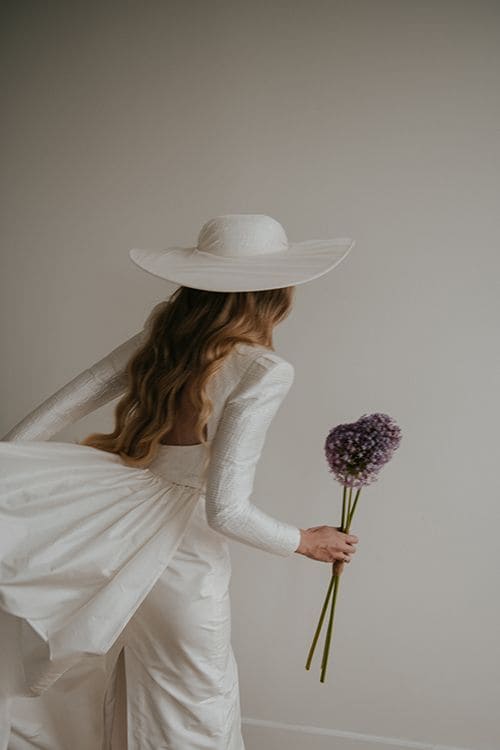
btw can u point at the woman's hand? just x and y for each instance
(327, 544)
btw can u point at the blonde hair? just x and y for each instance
(190, 334)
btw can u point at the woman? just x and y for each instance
(114, 578)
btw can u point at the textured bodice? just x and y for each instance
(182, 464)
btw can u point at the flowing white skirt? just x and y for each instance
(114, 603)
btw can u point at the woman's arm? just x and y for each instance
(235, 451)
(92, 388)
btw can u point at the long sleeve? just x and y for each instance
(235, 451)
(92, 388)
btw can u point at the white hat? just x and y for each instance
(243, 252)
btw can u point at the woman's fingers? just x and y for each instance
(330, 543)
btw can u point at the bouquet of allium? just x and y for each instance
(355, 454)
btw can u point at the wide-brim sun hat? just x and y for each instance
(241, 253)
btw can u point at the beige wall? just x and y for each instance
(131, 124)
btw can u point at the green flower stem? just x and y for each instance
(328, 639)
(329, 631)
(351, 512)
(347, 516)
(319, 626)
(328, 593)
(344, 496)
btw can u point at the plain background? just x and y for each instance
(129, 124)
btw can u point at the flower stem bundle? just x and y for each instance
(355, 454)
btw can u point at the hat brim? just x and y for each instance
(300, 262)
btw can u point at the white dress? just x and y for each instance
(115, 623)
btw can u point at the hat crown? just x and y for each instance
(242, 235)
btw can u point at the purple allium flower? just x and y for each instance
(356, 452)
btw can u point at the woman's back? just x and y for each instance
(245, 392)
(183, 433)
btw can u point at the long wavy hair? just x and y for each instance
(190, 334)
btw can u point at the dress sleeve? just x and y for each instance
(92, 388)
(235, 451)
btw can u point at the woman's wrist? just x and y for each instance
(302, 544)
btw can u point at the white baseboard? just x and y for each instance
(270, 735)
